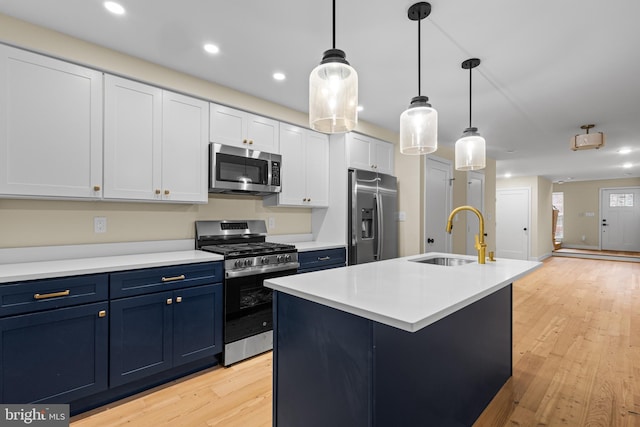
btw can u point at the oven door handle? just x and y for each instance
(253, 271)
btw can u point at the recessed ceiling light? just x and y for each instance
(114, 7)
(211, 48)
(279, 76)
(627, 165)
(360, 108)
(507, 175)
(624, 150)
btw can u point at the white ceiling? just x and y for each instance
(548, 66)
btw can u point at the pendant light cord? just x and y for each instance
(334, 24)
(419, 60)
(470, 95)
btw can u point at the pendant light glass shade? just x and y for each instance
(333, 94)
(470, 151)
(419, 128)
(419, 122)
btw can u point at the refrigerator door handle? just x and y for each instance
(380, 226)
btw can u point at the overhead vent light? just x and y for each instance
(587, 141)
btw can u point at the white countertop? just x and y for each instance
(73, 267)
(401, 293)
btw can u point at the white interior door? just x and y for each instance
(513, 223)
(475, 198)
(438, 174)
(620, 219)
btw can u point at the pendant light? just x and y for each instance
(470, 148)
(333, 91)
(419, 122)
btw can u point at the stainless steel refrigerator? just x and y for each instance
(372, 223)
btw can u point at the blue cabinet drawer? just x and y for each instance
(37, 295)
(158, 279)
(322, 259)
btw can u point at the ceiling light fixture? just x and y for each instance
(279, 76)
(419, 122)
(587, 141)
(333, 91)
(624, 150)
(211, 48)
(470, 148)
(114, 7)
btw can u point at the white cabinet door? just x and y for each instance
(317, 169)
(293, 166)
(238, 128)
(50, 127)
(185, 129)
(383, 157)
(305, 168)
(370, 154)
(132, 140)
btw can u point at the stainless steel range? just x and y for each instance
(248, 261)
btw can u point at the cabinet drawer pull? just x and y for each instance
(166, 192)
(52, 295)
(173, 279)
(244, 141)
(96, 188)
(178, 299)
(169, 301)
(324, 258)
(102, 313)
(157, 191)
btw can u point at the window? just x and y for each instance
(557, 199)
(621, 200)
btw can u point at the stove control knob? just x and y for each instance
(238, 263)
(248, 262)
(264, 260)
(280, 258)
(287, 258)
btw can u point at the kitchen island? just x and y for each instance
(392, 343)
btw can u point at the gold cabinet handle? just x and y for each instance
(169, 301)
(250, 141)
(102, 313)
(96, 188)
(174, 278)
(52, 295)
(166, 192)
(178, 299)
(157, 191)
(244, 141)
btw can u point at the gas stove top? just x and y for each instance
(244, 247)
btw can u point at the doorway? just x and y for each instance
(513, 223)
(475, 198)
(620, 219)
(437, 204)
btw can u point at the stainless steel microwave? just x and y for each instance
(235, 170)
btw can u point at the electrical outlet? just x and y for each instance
(99, 224)
(272, 222)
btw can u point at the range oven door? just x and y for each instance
(248, 315)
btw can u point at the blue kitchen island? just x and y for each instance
(392, 343)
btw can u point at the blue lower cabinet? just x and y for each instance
(54, 356)
(141, 331)
(154, 333)
(322, 259)
(197, 323)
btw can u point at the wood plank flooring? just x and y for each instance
(576, 362)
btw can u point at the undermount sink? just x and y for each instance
(446, 261)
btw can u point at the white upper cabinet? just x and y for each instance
(155, 144)
(185, 160)
(365, 152)
(238, 128)
(50, 127)
(305, 168)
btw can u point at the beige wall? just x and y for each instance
(71, 222)
(579, 198)
(541, 243)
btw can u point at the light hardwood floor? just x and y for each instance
(576, 338)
